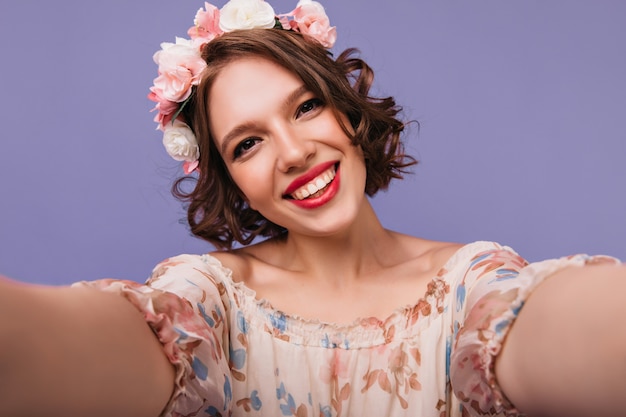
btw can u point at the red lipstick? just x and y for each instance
(327, 194)
(308, 176)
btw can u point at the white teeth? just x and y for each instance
(315, 185)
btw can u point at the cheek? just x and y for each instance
(254, 184)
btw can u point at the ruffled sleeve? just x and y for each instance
(488, 299)
(183, 304)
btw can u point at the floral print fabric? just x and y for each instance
(236, 355)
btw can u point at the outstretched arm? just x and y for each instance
(78, 351)
(566, 352)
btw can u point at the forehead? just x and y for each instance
(248, 89)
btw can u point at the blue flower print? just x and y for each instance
(279, 321)
(460, 297)
(500, 326)
(479, 259)
(503, 274)
(327, 343)
(289, 408)
(205, 316)
(182, 335)
(242, 324)
(237, 357)
(280, 391)
(255, 401)
(212, 411)
(448, 353)
(228, 392)
(200, 369)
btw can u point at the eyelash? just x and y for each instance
(315, 102)
(244, 146)
(248, 143)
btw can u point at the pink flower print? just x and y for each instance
(487, 309)
(403, 375)
(162, 268)
(336, 370)
(494, 260)
(206, 23)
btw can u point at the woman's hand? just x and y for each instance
(566, 352)
(78, 351)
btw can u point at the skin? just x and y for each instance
(566, 353)
(77, 352)
(271, 130)
(287, 132)
(85, 352)
(339, 259)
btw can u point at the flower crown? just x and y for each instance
(181, 65)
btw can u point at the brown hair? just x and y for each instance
(217, 210)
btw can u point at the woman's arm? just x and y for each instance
(78, 351)
(566, 352)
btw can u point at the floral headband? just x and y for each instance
(181, 65)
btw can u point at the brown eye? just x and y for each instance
(309, 106)
(244, 146)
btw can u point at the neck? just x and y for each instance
(343, 258)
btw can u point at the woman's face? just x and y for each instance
(285, 149)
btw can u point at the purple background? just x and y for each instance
(522, 107)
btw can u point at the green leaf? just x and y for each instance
(183, 104)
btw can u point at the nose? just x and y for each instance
(293, 150)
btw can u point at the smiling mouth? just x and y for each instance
(315, 187)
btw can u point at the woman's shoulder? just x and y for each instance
(238, 262)
(192, 268)
(430, 255)
(437, 256)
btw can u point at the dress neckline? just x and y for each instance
(362, 331)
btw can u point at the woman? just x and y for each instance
(331, 314)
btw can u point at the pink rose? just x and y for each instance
(312, 20)
(206, 23)
(180, 67)
(165, 109)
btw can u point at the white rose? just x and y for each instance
(246, 14)
(180, 142)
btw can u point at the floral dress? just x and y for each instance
(236, 355)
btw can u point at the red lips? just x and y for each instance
(308, 176)
(327, 194)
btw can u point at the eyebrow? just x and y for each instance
(239, 129)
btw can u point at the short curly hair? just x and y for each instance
(217, 210)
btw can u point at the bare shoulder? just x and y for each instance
(244, 261)
(235, 260)
(431, 255)
(443, 251)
